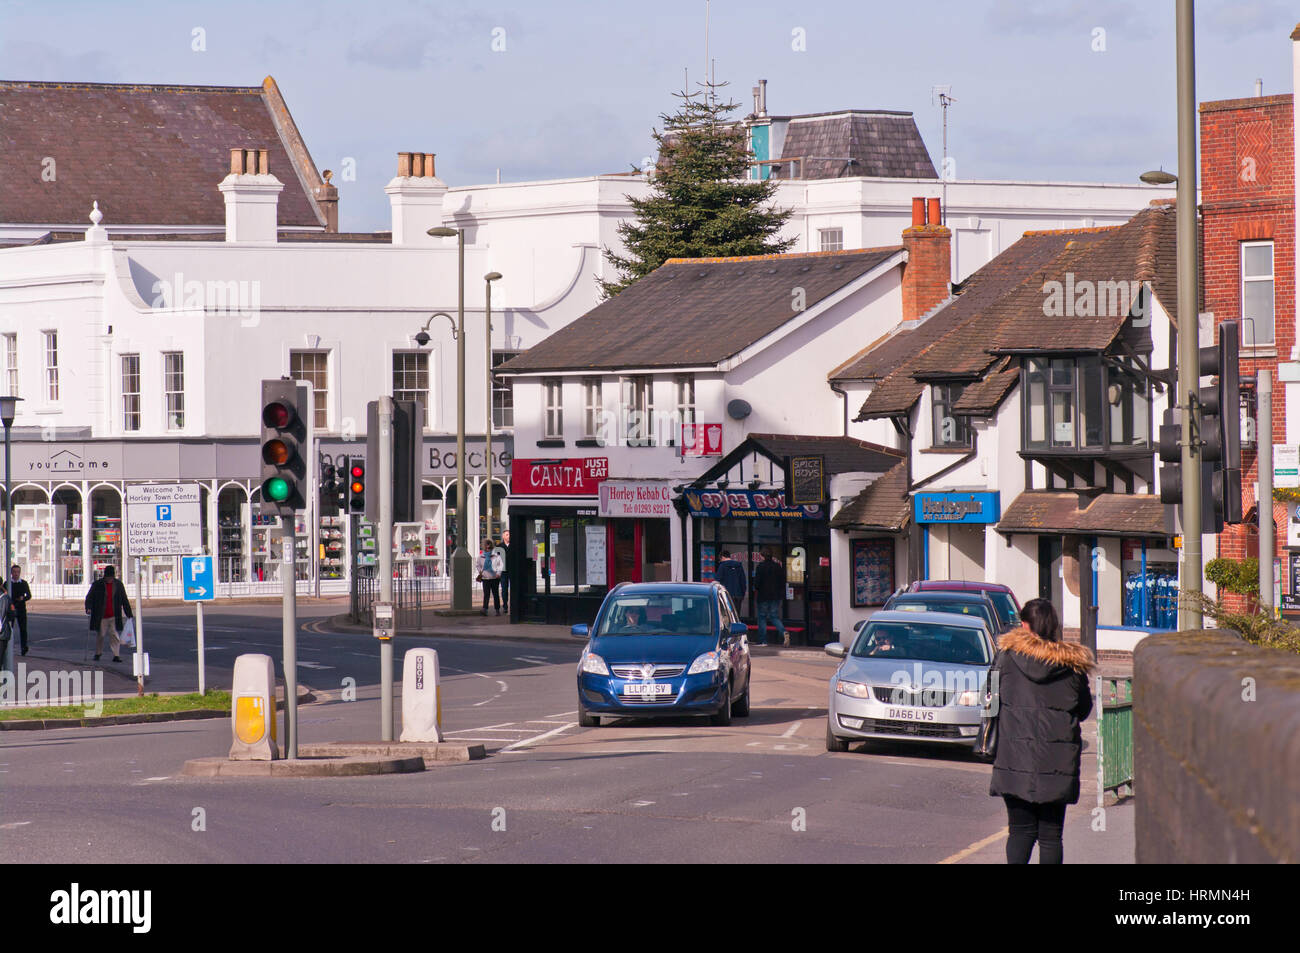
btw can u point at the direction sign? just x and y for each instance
(198, 584)
(163, 519)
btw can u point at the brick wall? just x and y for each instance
(929, 267)
(1248, 193)
(1216, 750)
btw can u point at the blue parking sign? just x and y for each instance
(197, 582)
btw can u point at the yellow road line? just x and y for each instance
(974, 848)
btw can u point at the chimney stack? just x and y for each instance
(928, 273)
(416, 195)
(252, 196)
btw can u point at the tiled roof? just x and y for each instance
(843, 454)
(1107, 514)
(150, 155)
(693, 312)
(981, 398)
(884, 504)
(884, 144)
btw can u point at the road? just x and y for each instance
(762, 790)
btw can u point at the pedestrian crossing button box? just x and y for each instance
(252, 700)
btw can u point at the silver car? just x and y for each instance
(910, 676)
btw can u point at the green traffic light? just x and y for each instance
(276, 489)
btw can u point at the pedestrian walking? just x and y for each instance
(490, 576)
(731, 574)
(19, 595)
(1043, 696)
(106, 604)
(769, 593)
(506, 554)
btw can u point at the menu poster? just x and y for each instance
(596, 560)
(873, 571)
(805, 480)
(708, 562)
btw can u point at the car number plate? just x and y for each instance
(911, 714)
(647, 689)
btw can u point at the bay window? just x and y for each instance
(1085, 403)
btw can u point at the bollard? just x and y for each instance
(421, 696)
(252, 710)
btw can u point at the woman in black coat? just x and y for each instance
(1043, 696)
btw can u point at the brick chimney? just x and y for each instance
(252, 197)
(928, 272)
(416, 196)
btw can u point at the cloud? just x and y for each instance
(40, 62)
(1232, 21)
(1052, 17)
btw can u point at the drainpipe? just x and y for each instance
(844, 399)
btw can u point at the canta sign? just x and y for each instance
(628, 499)
(576, 476)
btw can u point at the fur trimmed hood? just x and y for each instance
(1069, 655)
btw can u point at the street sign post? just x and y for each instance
(162, 519)
(198, 586)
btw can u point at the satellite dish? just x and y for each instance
(738, 409)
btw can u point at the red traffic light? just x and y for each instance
(278, 415)
(358, 472)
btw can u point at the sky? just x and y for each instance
(1043, 90)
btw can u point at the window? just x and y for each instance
(684, 385)
(503, 400)
(950, 430)
(636, 395)
(130, 392)
(411, 377)
(1256, 293)
(174, 389)
(51, 365)
(1086, 403)
(11, 365)
(592, 407)
(830, 239)
(554, 429)
(312, 367)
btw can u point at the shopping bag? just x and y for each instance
(127, 637)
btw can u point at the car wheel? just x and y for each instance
(740, 707)
(723, 717)
(586, 719)
(834, 742)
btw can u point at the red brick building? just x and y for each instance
(1248, 219)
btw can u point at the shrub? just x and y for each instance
(1240, 576)
(1257, 628)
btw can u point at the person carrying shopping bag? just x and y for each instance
(1043, 697)
(106, 604)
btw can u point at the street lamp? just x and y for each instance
(462, 564)
(490, 277)
(8, 409)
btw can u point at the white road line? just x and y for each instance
(790, 732)
(315, 665)
(12, 824)
(163, 778)
(520, 745)
(529, 660)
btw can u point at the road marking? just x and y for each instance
(563, 714)
(163, 778)
(642, 803)
(789, 732)
(975, 847)
(520, 745)
(316, 665)
(529, 660)
(12, 824)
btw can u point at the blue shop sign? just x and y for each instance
(983, 507)
(747, 504)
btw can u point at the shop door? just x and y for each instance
(1049, 570)
(817, 590)
(625, 549)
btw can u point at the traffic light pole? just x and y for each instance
(1189, 378)
(287, 574)
(385, 544)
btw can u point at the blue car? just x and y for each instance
(664, 650)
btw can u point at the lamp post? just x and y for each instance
(8, 409)
(462, 564)
(490, 277)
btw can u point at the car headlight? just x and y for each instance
(594, 664)
(971, 699)
(708, 662)
(852, 689)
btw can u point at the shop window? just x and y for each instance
(70, 570)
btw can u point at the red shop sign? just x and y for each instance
(576, 476)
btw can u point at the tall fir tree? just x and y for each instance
(702, 204)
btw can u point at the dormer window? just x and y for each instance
(1085, 403)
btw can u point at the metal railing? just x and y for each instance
(414, 599)
(1115, 733)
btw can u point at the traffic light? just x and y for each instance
(357, 486)
(1220, 433)
(407, 441)
(328, 487)
(285, 409)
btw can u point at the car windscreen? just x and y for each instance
(1006, 606)
(922, 642)
(657, 614)
(956, 607)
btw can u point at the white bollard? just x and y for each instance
(421, 696)
(252, 704)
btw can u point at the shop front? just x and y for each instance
(749, 525)
(953, 525)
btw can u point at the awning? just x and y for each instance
(1103, 514)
